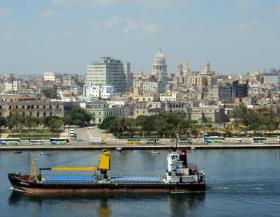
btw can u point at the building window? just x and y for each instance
(38, 114)
(44, 114)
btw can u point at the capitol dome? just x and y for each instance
(159, 58)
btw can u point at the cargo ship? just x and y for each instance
(180, 177)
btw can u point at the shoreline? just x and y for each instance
(70, 147)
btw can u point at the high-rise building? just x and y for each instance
(272, 77)
(109, 72)
(235, 89)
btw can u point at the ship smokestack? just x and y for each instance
(183, 157)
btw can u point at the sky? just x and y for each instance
(235, 36)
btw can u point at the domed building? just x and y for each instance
(207, 70)
(160, 70)
(159, 66)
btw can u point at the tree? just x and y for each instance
(240, 115)
(50, 92)
(78, 116)
(31, 122)
(271, 121)
(183, 127)
(3, 122)
(146, 124)
(14, 121)
(130, 124)
(53, 123)
(108, 123)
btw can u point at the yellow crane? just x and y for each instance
(103, 165)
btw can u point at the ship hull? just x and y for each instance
(78, 188)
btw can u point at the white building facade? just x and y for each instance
(49, 76)
(109, 72)
(96, 91)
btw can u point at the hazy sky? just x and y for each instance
(235, 36)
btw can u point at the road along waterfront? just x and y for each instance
(87, 146)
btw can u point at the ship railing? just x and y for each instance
(69, 179)
(135, 182)
(46, 180)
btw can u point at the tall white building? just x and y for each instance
(49, 76)
(160, 70)
(109, 72)
(12, 86)
(160, 67)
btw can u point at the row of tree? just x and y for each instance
(15, 122)
(256, 120)
(77, 116)
(172, 123)
(163, 125)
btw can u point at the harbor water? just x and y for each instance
(239, 183)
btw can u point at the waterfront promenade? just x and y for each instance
(124, 146)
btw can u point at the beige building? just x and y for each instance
(102, 110)
(214, 113)
(68, 80)
(150, 88)
(143, 98)
(32, 107)
(145, 109)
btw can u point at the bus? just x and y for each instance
(134, 140)
(184, 140)
(36, 142)
(213, 139)
(152, 141)
(9, 141)
(59, 141)
(259, 140)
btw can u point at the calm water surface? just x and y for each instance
(239, 183)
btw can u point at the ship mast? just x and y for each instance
(33, 169)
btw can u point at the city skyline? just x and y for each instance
(66, 35)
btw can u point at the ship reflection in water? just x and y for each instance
(177, 205)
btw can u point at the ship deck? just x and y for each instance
(55, 179)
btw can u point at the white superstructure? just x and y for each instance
(178, 170)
